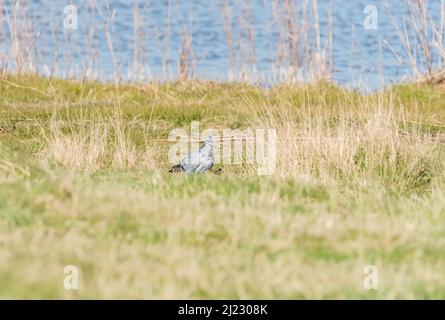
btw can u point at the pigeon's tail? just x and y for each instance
(177, 168)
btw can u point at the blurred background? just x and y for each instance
(361, 44)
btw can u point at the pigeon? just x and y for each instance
(197, 162)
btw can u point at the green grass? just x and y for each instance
(135, 231)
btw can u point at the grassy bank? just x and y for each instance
(359, 181)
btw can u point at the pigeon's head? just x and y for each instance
(208, 141)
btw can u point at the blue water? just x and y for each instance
(359, 58)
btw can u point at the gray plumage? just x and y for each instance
(199, 161)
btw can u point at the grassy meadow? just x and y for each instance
(84, 181)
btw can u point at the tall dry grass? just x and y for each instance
(187, 59)
(422, 38)
(22, 35)
(369, 142)
(103, 141)
(363, 140)
(303, 53)
(303, 56)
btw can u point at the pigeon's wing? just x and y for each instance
(190, 162)
(205, 163)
